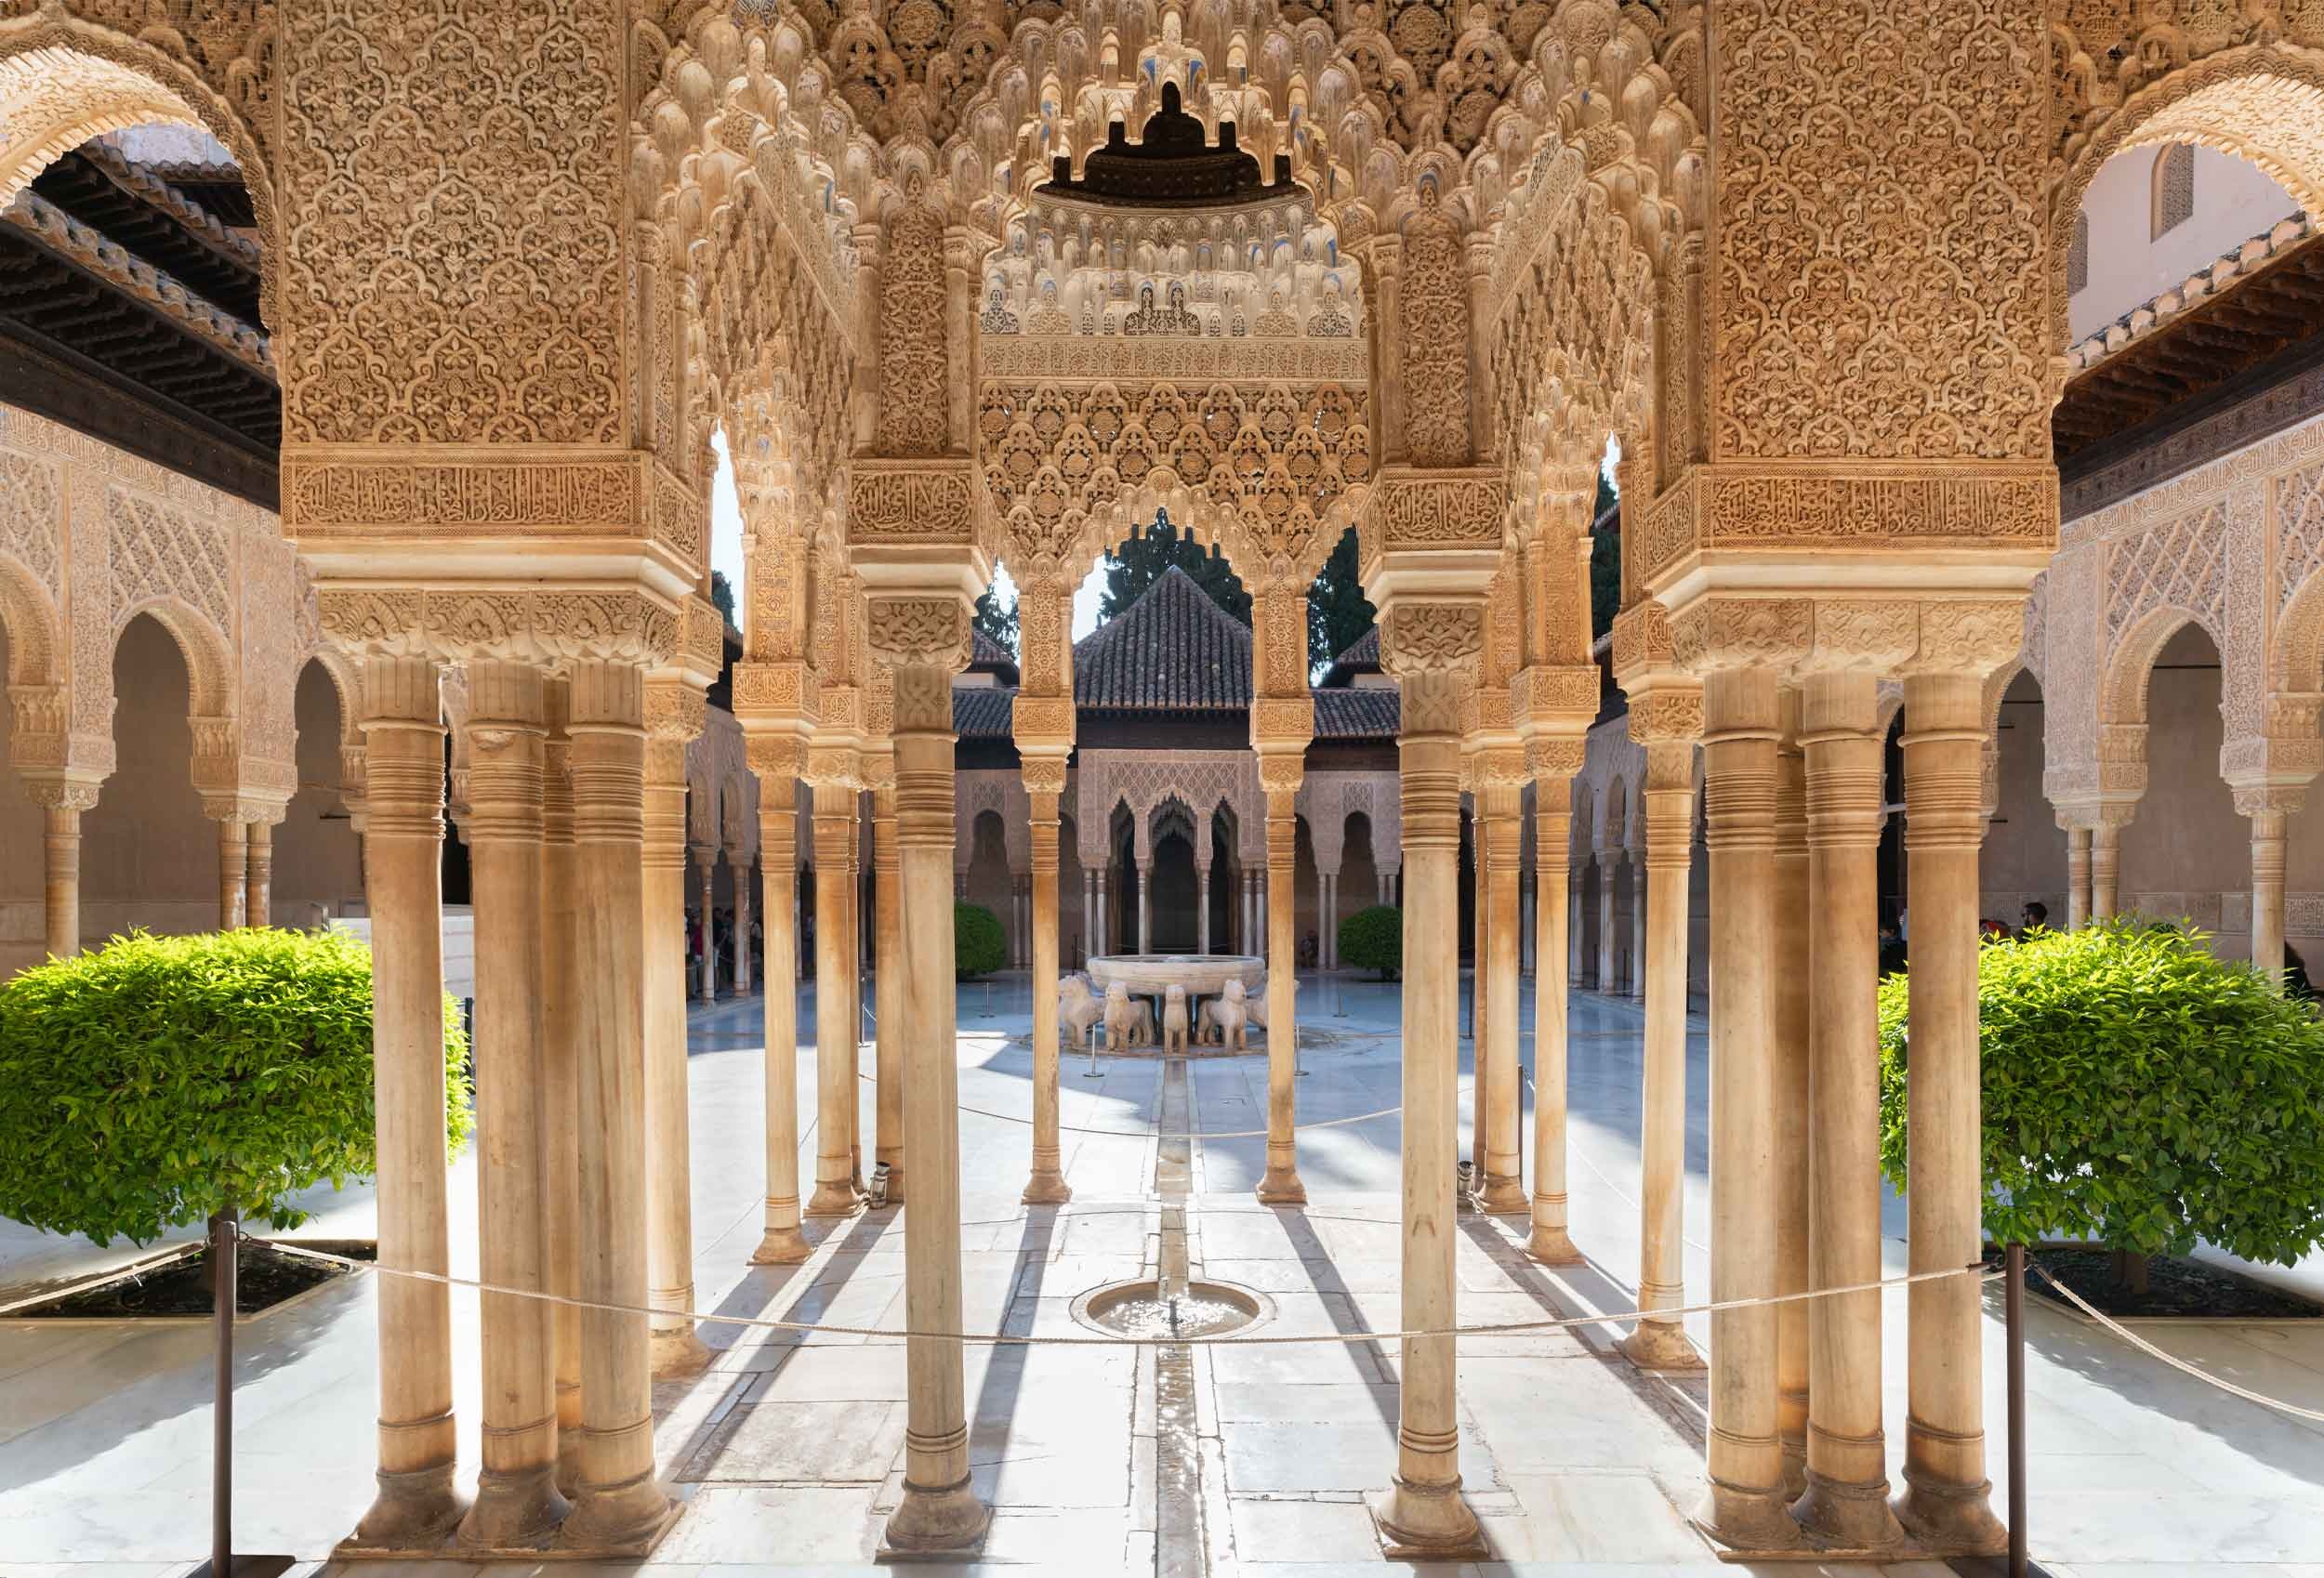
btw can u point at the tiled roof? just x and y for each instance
(983, 712)
(1362, 657)
(1369, 712)
(1171, 649)
(985, 652)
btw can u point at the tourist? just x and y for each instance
(1891, 949)
(2034, 917)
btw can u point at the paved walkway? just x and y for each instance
(789, 1449)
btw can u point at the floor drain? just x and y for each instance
(1142, 1310)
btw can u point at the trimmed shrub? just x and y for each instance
(162, 1079)
(2138, 1091)
(978, 947)
(1373, 939)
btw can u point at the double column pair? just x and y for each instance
(1793, 779)
(560, 1096)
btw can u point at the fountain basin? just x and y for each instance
(1203, 975)
(1140, 1309)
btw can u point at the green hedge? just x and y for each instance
(978, 947)
(161, 1079)
(2138, 1091)
(1373, 939)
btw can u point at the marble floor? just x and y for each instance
(788, 1448)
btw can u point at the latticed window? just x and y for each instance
(2078, 256)
(2174, 188)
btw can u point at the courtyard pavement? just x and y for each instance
(789, 1448)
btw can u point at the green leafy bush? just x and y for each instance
(162, 1079)
(1373, 939)
(2138, 1091)
(978, 947)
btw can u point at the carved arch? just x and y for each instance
(2122, 687)
(36, 635)
(209, 657)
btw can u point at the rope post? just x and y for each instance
(225, 1244)
(1094, 1031)
(2013, 1305)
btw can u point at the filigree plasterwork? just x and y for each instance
(453, 624)
(919, 632)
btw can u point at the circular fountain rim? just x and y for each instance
(1259, 1308)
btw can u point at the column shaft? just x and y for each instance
(1609, 950)
(1660, 887)
(1642, 896)
(668, 1143)
(61, 878)
(741, 869)
(1502, 1092)
(1578, 935)
(560, 1075)
(2267, 891)
(1846, 1501)
(1145, 907)
(708, 856)
(782, 1244)
(1281, 1185)
(1047, 1184)
(1746, 1504)
(2077, 876)
(258, 881)
(835, 1038)
(854, 985)
(1552, 1242)
(621, 1505)
(1946, 1495)
(1788, 1051)
(233, 874)
(517, 1504)
(2106, 857)
(1202, 908)
(887, 992)
(403, 863)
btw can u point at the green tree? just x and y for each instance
(161, 1080)
(722, 595)
(1605, 561)
(1373, 939)
(994, 620)
(1139, 563)
(2139, 1091)
(978, 945)
(1337, 611)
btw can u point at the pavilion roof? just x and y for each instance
(1362, 656)
(1173, 649)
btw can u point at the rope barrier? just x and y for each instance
(1504, 1328)
(1159, 1133)
(2172, 1359)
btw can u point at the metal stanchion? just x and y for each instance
(225, 1245)
(1095, 1031)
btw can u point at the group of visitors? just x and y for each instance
(2034, 917)
(723, 934)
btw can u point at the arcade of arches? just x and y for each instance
(364, 363)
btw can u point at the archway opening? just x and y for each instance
(318, 859)
(2186, 852)
(149, 857)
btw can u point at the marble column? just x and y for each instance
(417, 1503)
(1500, 1092)
(1202, 907)
(1145, 907)
(1103, 926)
(2077, 876)
(1946, 1495)
(775, 760)
(621, 1505)
(706, 860)
(2106, 864)
(1045, 779)
(1846, 1501)
(1641, 909)
(1281, 1185)
(938, 1510)
(561, 1107)
(1424, 1510)
(61, 803)
(1659, 887)
(2267, 806)
(517, 1502)
(852, 982)
(1553, 764)
(669, 1140)
(1576, 933)
(744, 868)
(1250, 941)
(1327, 919)
(834, 1037)
(1609, 950)
(234, 873)
(1746, 1507)
(1788, 1026)
(259, 879)
(888, 992)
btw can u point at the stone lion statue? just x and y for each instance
(1174, 1020)
(1225, 1018)
(1127, 1024)
(1256, 1003)
(1079, 1009)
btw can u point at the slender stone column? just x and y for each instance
(2077, 876)
(1145, 907)
(677, 1351)
(1846, 1502)
(775, 759)
(1947, 1496)
(258, 883)
(742, 867)
(888, 988)
(1202, 907)
(1609, 952)
(417, 1505)
(1746, 1507)
(62, 802)
(1102, 928)
(233, 874)
(2106, 858)
(1281, 1185)
(1661, 888)
(1577, 934)
(560, 1071)
(1327, 919)
(1424, 1510)
(1553, 763)
(517, 1504)
(1047, 1186)
(938, 1511)
(621, 1505)
(1500, 1098)
(834, 1037)
(1250, 941)
(2267, 805)
(1789, 1060)
(856, 835)
(1642, 890)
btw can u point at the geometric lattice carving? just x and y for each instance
(2179, 566)
(161, 553)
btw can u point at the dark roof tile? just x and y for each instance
(1172, 650)
(983, 712)
(1371, 712)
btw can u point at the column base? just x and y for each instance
(1504, 1195)
(569, 1480)
(1852, 1516)
(1554, 1246)
(677, 1351)
(1281, 1186)
(1660, 1346)
(1950, 1517)
(1794, 1466)
(618, 1521)
(942, 1522)
(782, 1247)
(833, 1200)
(1426, 1522)
(1048, 1189)
(1747, 1522)
(513, 1512)
(414, 1513)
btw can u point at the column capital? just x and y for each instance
(62, 790)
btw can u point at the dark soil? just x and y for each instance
(264, 1277)
(2175, 1286)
